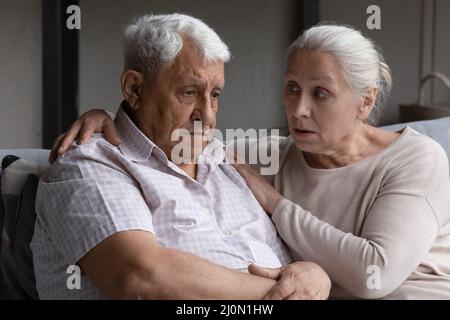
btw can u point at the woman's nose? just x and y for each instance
(302, 109)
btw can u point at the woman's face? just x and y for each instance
(321, 109)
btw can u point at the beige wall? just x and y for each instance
(257, 31)
(399, 38)
(20, 74)
(442, 51)
(406, 37)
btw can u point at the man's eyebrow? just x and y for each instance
(194, 80)
(219, 86)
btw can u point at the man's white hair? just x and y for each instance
(152, 42)
(362, 63)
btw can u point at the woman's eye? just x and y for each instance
(292, 87)
(321, 94)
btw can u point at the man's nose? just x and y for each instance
(206, 112)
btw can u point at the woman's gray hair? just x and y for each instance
(153, 41)
(362, 63)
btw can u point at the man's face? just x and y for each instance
(184, 92)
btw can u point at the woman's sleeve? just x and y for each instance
(397, 233)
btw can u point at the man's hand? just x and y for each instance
(95, 120)
(296, 281)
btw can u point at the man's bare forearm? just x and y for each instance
(132, 265)
(179, 275)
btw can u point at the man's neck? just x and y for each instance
(190, 169)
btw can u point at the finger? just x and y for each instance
(88, 128)
(264, 272)
(305, 294)
(69, 137)
(302, 294)
(110, 132)
(322, 295)
(299, 296)
(86, 134)
(319, 295)
(283, 289)
(53, 153)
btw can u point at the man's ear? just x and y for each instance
(368, 102)
(131, 83)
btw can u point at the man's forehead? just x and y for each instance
(199, 77)
(196, 70)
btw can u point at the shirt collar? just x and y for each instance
(134, 144)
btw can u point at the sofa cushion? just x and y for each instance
(16, 258)
(39, 156)
(19, 183)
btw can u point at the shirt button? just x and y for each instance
(227, 232)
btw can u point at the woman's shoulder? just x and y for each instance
(415, 146)
(415, 155)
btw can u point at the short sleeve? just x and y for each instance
(84, 199)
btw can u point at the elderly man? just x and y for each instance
(140, 226)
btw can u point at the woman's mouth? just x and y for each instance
(301, 133)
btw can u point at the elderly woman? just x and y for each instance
(369, 206)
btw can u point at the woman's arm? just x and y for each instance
(398, 231)
(397, 234)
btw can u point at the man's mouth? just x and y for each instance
(205, 135)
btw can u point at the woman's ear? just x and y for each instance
(368, 102)
(131, 83)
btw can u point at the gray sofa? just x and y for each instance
(36, 155)
(16, 270)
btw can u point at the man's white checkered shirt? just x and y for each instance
(97, 189)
